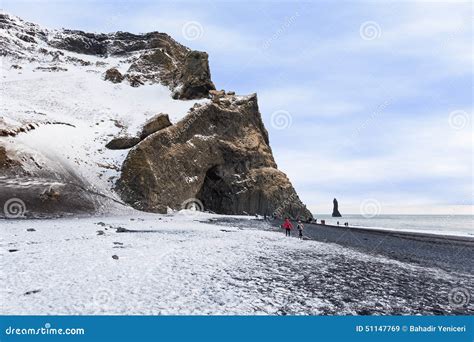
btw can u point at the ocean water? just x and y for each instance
(437, 224)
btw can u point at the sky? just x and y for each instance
(366, 101)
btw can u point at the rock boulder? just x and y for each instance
(155, 124)
(218, 154)
(113, 75)
(122, 143)
(195, 77)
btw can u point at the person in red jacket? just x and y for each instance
(287, 226)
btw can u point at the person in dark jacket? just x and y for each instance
(300, 227)
(287, 226)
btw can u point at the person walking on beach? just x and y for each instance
(287, 226)
(300, 227)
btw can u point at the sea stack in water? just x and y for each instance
(335, 209)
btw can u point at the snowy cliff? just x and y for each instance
(66, 94)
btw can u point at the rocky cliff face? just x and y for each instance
(89, 117)
(153, 57)
(219, 156)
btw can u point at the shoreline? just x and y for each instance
(469, 240)
(450, 253)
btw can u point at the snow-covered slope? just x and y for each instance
(73, 109)
(95, 111)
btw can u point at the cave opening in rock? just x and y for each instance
(216, 193)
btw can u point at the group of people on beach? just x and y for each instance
(288, 226)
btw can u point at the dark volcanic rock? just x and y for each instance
(195, 77)
(187, 72)
(6, 162)
(51, 69)
(134, 80)
(122, 143)
(27, 293)
(113, 75)
(80, 42)
(335, 210)
(155, 124)
(219, 154)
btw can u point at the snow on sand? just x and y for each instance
(181, 264)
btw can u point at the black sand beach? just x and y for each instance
(450, 253)
(437, 269)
